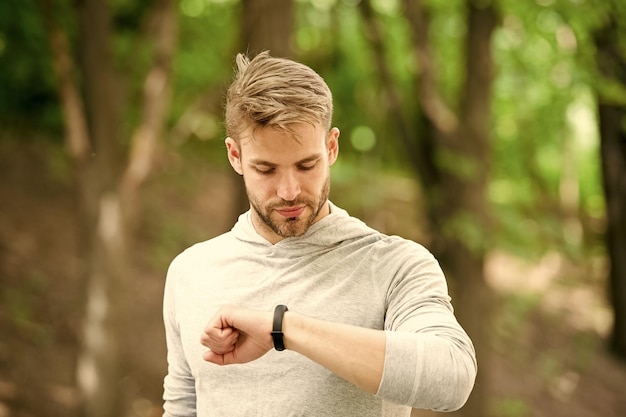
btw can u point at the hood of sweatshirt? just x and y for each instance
(331, 230)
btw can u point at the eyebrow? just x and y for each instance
(311, 158)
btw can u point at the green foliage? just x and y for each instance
(447, 34)
(544, 134)
(27, 89)
(203, 65)
(544, 127)
(207, 45)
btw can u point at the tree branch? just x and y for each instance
(156, 97)
(441, 116)
(73, 107)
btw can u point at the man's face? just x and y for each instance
(287, 180)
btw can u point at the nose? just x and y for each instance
(288, 187)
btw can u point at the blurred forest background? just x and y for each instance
(491, 131)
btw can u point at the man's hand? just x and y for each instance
(236, 335)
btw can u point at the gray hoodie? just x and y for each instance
(342, 271)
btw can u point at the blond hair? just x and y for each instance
(275, 92)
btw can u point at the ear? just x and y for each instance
(332, 145)
(234, 155)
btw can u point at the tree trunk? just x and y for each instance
(267, 26)
(453, 164)
(107, 191)
(464, 254)
(156, 100)
(613, 150)
(612, 118)
(99, 369)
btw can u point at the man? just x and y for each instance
(302, 310)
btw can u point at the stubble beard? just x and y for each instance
(292, 226)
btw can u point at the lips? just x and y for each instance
(291, 212)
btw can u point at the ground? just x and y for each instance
(548, 358)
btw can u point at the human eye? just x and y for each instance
(307, 166)
(263, 170)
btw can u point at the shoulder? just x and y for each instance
(396, 254)
(401, 243)
(385, 248)
(202, 251)
(401, 247)
(353, 228)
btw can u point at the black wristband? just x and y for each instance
(277, 327)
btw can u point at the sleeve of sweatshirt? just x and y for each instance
(430, 361)
(179, 391)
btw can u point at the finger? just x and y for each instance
(217, 358)
(226, 336)
(223, 348)
(213, 357)
(224, 345)
(220, 320)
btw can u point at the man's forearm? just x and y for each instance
(354, 353)
(237, 335)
